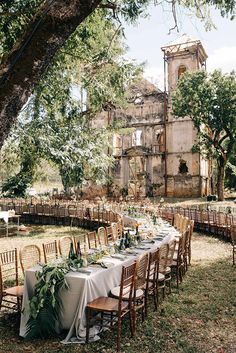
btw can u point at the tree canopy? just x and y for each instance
(33, 31)
(210, 101)
(86, 76)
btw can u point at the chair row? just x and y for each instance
(138, 280)
(31, 255)
(211, 221)
(148, 276)
(53, 214)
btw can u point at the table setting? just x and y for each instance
(88, 276)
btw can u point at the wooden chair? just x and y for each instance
(48, 216)
(163, 257)
(9, 281)
(50, 251)
(39, 213)
(114, 231)
(211, 221)
(102, 236)
(233, 238)
(184, 224)
(188, 247)
(30, 255)
(72, 210)
(91, 240)
(221, 223)
(109, 234)
(116, 308)
(170, 255)
(197, 219)
(177, 266)
(152, 278)
(176, 222)
(64, 245)
(119, 229)
(229, 224)
(205, 221)
(140, 285)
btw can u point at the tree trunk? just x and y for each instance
(24, 66)
(221, 178)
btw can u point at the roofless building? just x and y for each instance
(155, 157)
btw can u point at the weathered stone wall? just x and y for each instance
(142, 150)
(187, 173)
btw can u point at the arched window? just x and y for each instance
(181, 70)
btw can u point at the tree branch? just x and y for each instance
(173, 5)
(23, 68)
(108, 5)
(222, 139)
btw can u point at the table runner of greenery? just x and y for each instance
(45, 305)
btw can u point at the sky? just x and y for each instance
(147, 37)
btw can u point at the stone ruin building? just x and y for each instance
(155, 158)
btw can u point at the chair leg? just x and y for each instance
(164, 292)
(101, 324)
(118, 333)
(181, 273)
(169, 286)
(185, 264)
(143, 312)
(189, 257)
(131, 323)
(19, 302)
(134, 318)
(177, 277)
(155, 297)
(145, 302)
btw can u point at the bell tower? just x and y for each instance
(186, 172)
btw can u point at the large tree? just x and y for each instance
(86, 76)
(39, 28)
(210, 101)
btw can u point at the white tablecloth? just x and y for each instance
(83, 288)
(4, 215)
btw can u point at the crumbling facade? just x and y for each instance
(155, 158)
(187, 173)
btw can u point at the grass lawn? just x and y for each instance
(201, 318)
(38, 234)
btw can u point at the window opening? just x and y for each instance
(183, 169)
(181, 70)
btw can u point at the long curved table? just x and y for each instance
(83, 288)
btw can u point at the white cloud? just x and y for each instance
(223, 58)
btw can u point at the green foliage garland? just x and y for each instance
(45, 305)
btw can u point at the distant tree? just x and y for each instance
(230, 173)
(210, 101)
